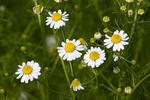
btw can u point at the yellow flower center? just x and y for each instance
(56, 16)
(37, 9)
(94, 55)
(69, 47)
(27, 69)
(116, 38)
(75, 83)
(82, 41)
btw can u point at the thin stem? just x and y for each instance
(71, 68)
(62, 33)
(133, 25)
(95, 73)
(109, 83)
(139, 83)
(64, 67)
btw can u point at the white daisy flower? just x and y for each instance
(128, 90)
(57, 19)
(117, 40)
(130, 12)
(28, 71)
(94, 57)
(84, 43)
(38, 9)
(70, 50)
(76, 85)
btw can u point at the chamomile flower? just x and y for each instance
(123, 8)
(129, 1)
(94, 57)
(141, 11)
(76, 85)
(117, 40)
(70, 50)
(83, 42)
(128, 90)
(28, 71)
(130, 12)
(116, 70)
(57, 19)
(106, 19)
(106, 30)
(97, 35)
(38, 9)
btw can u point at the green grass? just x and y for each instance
(19, 26)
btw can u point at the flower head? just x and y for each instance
(57, 19)
(106, 19)
(123, 8)
(37, 9)
(116, 70)
(106, 30)
(83, 42)
(94, 57)
(129, 1)
(28, 71)
(70, 50)
(130, 12)
(76, 85)
(58, 1)
(141, 11)
(128, 90)
(117, 40)
(97, 35)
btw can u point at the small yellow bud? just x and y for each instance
(106, 30)
(92, 40)
(46, 68)
(123, 8)
(6, 74)
(106, 19)
(119, 89)
(24, 36)
(23, 48)
(141, 11)
(76, 6)
(133, 62)
(2, 91)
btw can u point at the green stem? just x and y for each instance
(64, 67)
(71, 68)
(133, 25)
(109, 83)
(139, 83)
(95, 73)
(63, 36)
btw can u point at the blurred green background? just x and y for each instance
(22, 39)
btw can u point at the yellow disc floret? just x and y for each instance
(56, 17)
(75, 83)
(27, 69)
(69, 47)
(82, 41)
(94, 55)
(116, 38)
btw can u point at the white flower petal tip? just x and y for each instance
(117, 40)
(94, 57)
(28, 71)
